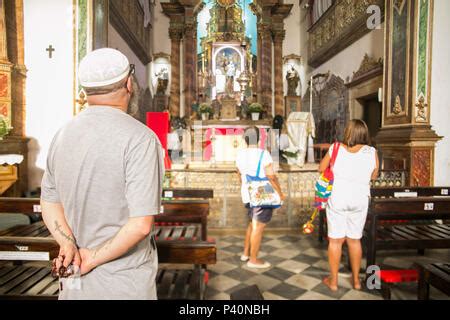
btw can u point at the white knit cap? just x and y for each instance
(103, 67)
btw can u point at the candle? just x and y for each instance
(311, 95)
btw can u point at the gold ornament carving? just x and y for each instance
(343, 18)
(398, 105)
(368, 64)
(421, 106)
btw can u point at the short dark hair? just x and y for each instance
(356, 133)
(251, 136)
(106, 89)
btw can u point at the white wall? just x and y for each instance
(161, 41)
(440, 93)
(49, 91)
(117, 42)
(291, 44)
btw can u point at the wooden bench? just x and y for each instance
(36, 283)
(436, 275)
(426, 235)
(390, 192)
(27, 283)
(180, 232)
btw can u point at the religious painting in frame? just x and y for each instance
(397, 66)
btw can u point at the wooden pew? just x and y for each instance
(430, 235)
(391, 192)
(180, 232)
(36, 283)
(182, 226)
(436, 275)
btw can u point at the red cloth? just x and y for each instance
(159, 123)
(397, 276)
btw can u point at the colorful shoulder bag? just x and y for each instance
(261, 192)
(324, 187)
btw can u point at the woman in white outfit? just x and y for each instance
(247, 163)
(356, 164)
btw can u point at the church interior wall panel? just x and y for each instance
(440, 93)
(50, 90)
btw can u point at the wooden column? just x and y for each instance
(12, 86)
(175, 38)
(3, 48)
(266, 64)
(190, 60)
(16, 54)
(278, 37)
(406, 139)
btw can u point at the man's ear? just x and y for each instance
(130, 85)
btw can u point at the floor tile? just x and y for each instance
(323, 289)
(271, 296)
(360, 295)
(274, 260)
(276, 243)
(287, 291)
(311, 295)
(279, 273)
(222, 283)
(306, 259)
(303, 281)
(240, 274)
(222, 267)
(293, 266)
(285, 253)
(264, 283)
(235, 249)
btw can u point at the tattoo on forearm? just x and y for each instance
(103, 247)
(63, 234)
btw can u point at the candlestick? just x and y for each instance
(311, 95)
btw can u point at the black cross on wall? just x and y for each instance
(50, 51)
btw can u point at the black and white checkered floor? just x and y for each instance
(298, 265)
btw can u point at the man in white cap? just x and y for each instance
(102, 187)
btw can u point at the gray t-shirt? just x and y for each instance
(105, 167)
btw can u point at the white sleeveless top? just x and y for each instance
(353, 172)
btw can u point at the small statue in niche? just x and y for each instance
(293, 80)
(163, 82)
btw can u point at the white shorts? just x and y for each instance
(347, 220)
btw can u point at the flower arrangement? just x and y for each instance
(205, 108)
(255, 108)
(5, 126)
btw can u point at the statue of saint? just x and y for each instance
(293, 79)
(163, 81)
(231, 73)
